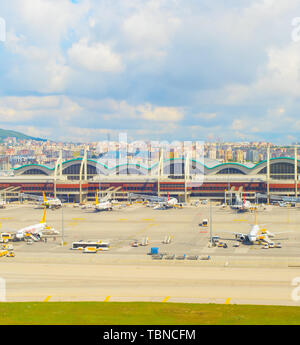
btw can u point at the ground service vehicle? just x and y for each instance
(5, 237)
(98, 245)
(205, 222)
(91, 250)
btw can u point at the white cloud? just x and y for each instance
(138, 64)
(96, 57)
(238, 125)
(164, 114)
(149, 30)
(205, 116)
(34, 109)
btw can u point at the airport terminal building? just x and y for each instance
(79, 179)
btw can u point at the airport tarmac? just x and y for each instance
(248, 274)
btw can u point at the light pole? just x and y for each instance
(62, 225)
(210, 223)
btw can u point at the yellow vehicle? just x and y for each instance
(3, 252)
(91, 250)
(10, 254)
(5, 237)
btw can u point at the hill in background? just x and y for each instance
(13, 134)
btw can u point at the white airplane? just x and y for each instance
(102, 205)
(242, 205)
(169, 203)
(282, 204)
(256, 234)
(2, 203)
(41, 229)
(52, 202)
(158, 203)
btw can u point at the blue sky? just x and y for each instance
(156, 69)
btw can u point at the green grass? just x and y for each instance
(139, 313)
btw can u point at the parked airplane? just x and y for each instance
(43, 201)
(52, 202)
(37, 230)
(2, 203)
(282, 204)
(102, 205)
(242, 205)
(158, 203)
(256, 233)
(169, 203)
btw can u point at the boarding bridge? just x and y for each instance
(110, 193)
(10, 192)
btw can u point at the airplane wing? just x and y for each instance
(153, 198)
(31, 196)
(228, 239)
(281, 232)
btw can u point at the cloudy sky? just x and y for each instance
(156, 69)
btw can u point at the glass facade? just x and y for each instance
(73, 171)
(34, 172)
(231, 171)
(280, 171)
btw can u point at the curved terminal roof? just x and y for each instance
(207, 166)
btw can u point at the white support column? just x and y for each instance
(58, 164)
(160, 170)
(186, 174)
(83, 164)
(268, 174)
(296, 171)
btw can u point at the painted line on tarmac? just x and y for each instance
(47, 298)
(165, 299)
(73, 224)
(227, 301)
(107, 298)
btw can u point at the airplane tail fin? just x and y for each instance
(238, 199)
(168, 196)
(96, 197)
(44, 197)
(44, 216)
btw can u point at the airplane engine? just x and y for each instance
(239, 237)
